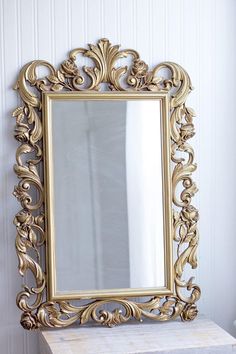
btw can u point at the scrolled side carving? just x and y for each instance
(29, 221)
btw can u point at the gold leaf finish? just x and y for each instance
(29, 222)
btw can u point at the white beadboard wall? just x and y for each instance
(200, 35)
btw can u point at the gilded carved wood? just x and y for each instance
(29, 221)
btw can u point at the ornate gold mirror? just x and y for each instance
(107, 224)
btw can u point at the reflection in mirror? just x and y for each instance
(107, 190)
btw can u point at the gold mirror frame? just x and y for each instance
(30, 221)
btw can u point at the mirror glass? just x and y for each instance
(107, 194)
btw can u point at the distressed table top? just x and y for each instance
(199, 336)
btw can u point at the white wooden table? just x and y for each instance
(199, 336)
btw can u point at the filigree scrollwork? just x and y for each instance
(30, 220)
(62, 314)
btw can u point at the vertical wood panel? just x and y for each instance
(78, 23)
(173, 30)
(206, 112)
(127, 30)
(109, 24)
(197, 34)
(224, 261)
(60, 37)
(93, 21)
(17, 46)
(158, 26)
(142, 35)
(4, 334)
(43, 30)
(26, 30)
